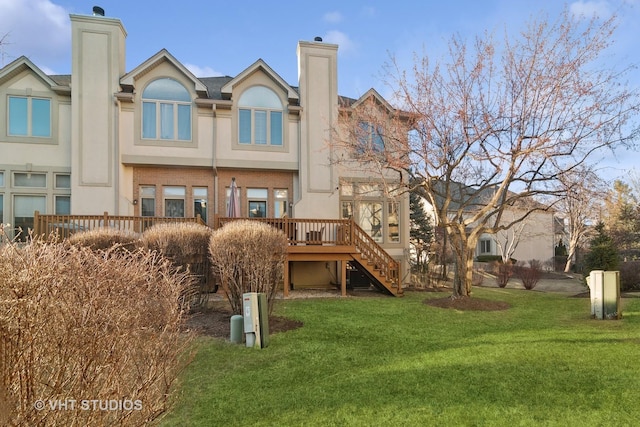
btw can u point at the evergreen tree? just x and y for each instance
(603, 254)
(421, 231)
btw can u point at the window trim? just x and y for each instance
(354, 193)
(239, 106)
(205, 198)
(166, 197)
(54, 102)
(157, 140)
(481, 246)
(44, 187)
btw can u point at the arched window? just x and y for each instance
(260, 117)
(166, 111)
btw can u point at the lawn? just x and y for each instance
(385, 361)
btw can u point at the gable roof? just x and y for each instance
(227, 89)
(163, 55)
(23, 63)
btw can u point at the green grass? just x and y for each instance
(397, 361)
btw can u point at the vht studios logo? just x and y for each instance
(88, 405)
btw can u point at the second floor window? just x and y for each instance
(260, 117)
(29, 116)
(166, 111)
(370, 138)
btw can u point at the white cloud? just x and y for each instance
(345, 44)
(333, 17)
(38, 29)
(589, 9)
(202, 71)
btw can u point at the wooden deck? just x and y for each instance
(339, 240)
(330, 240)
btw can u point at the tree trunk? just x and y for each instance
(464, 253)
(570, 255)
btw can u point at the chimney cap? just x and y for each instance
(98, 11)
(317, 39)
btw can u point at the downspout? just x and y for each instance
(116, 183)
(216, 196)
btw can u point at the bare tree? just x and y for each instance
(496, 126)
(580, 204)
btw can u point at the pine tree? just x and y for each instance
(421, 231)
(603, 254)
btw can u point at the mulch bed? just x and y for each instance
(468, 303)
(216, 322)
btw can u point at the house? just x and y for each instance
(535, 237)
(159, 141)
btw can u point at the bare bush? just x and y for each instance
(88, 328)
(186, 245)
(503, 272)
(248, 256)
(105, 238)
(529, 275)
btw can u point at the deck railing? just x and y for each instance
(306, 231)
(63, 226)
(324, 232)
(328, 232)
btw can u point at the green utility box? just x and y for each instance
(256, 319)
(604, 288)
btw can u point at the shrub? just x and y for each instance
(492, 258)
(503, 272)
(529, 276)
(186, 245)
(180, 241)
(83, 325)
(248, 256)
(630, 276)
(105, 238)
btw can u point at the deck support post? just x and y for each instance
(285, 285)
(343, 277)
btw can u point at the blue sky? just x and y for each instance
(223, 38)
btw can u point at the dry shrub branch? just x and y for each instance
(105, 238)
(248, 256)
(78, 324)
(186, 245)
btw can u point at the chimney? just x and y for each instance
(98, 11)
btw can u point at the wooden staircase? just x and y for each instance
(371, 259)
(335, 240)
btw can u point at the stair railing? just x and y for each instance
(374, 254)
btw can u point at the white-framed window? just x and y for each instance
(257, 199)
(147, 200)
(1, 213)
(485, 247)
(369, 138)
(29, 116)
(62, 181)
(166, 111)
(174, 201)
(24, 207)
(200, 202)
(30, 180)
(260, 119)
(1, 179)
(393, 218)
(62, 205)
(377, 214)
(280, 202)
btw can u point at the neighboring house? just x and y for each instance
(158, 141)
(534, 238)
